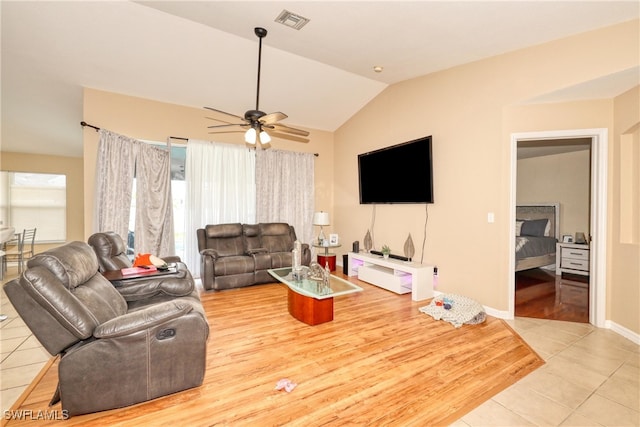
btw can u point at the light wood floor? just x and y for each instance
(380, 362)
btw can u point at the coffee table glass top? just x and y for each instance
(314, 288)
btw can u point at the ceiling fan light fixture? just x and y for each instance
(250, 136)
(264, 137)
(255, 119)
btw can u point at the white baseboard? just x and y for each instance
(618, 329)
(497, 313)
(489, 310)
(621, 330)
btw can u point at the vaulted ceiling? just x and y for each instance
(204, 53)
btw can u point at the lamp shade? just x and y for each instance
(250, 136)
(321, 218)
(264, 137)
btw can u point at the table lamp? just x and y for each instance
(321, 219)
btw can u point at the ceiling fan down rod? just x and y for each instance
(261, 33)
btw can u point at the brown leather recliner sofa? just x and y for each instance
(112, 355)
(237, 255)
(110, 250)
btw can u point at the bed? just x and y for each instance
(537, 232)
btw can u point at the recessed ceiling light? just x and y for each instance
(291, 19)
(378, 69)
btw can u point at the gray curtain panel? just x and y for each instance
(285, 190)
(115, 171)
(120, 160)
(154, 206)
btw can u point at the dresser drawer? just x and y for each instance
(575, 264)
(575, 253)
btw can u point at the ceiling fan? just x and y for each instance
(260, 125)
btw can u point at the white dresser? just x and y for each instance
(572, 258)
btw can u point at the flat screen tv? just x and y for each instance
(401, 173)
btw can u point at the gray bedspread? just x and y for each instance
(528, 246)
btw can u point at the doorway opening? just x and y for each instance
(591, 224)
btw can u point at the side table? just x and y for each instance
(326, 257)
(572, 258)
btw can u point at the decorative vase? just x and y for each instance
(368, 244)
(409, 250)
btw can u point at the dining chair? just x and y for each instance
(11, 248)
(2, 254)
(20, 249)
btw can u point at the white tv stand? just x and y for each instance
(394, 275)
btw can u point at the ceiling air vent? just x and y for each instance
(291, 20)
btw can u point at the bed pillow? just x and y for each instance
(519, 223)
(534, 227)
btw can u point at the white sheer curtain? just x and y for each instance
(221, 188)
(285, 190)
(115, 169)
(154, 205)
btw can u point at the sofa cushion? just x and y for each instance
(223, 230)
(276, 237)
(225, 239)
(73, 264)
(252, 239)
(234, 265)
(110, 250)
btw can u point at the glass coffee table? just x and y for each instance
(310, 301)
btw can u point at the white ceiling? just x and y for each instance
(204, 53)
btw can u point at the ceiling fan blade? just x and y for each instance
(227, 125)
(224, 112)
(229, 131)
(272, 118)
(217, 120)
(285, 136)
(279, 127)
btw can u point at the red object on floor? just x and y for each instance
(324, 259)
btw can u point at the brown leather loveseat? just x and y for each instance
(112, 355)
(237, 255)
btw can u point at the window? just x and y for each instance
(35, 200)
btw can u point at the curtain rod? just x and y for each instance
(83, 124)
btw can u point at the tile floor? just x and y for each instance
(591, 377)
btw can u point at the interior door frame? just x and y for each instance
(598, 248)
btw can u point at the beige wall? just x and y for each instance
(69, 166)
(562, 178)
(472, 111)
(624, 246)
(155, 121)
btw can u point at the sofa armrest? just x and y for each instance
(140, 289)
(177, 284)
(142, 319)
(171, 258)
(305, 258)
(210, 253)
